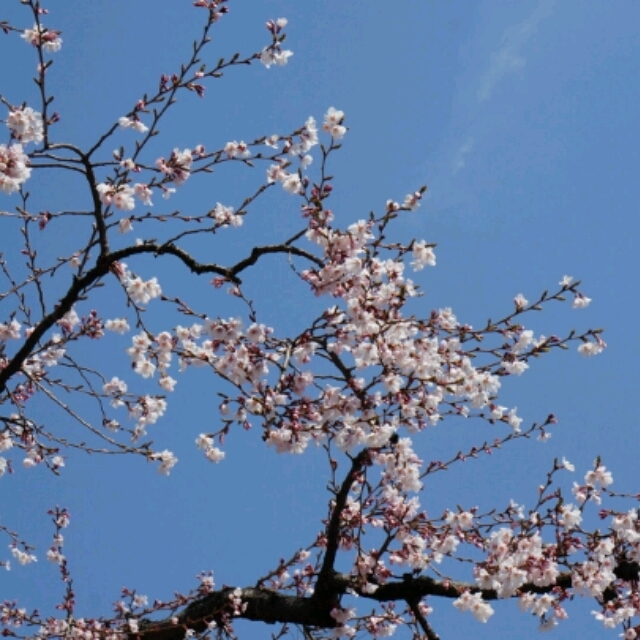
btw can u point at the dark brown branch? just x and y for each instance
(195, 266)
(324, 585)
(66, 303)
(274, 248)
(412, 589)
(261, 605)
(80, 285)
(270, 607)
(230, 273)
(422, 622)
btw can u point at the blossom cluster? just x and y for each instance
(139, 291)
(308, 138)
(48, 39)
(275, 54)
(393, 375)
(14, 167)
(26, 125)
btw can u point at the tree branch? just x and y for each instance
(324, 586)
(270, 607)
(262, 605)
(429, 633)
(274, 248)
(412, 588)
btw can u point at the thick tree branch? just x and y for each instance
(411, 589)
(103, 266)
(262, 605)
(78, 286)
(324, 585)
(270, 607)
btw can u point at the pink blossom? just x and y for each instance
(10, 331)
(275, 173)
(520, 301)
(48, 38)
(474, 603)
(167, 383)
(204, 441)
(145, 368)
(515, 367)
(23, 557)
(271, 56)
(214, 454)
(167, 461)
(514, 421)
(342, 615)
(143, 193)
(333, 123)
(570, 517)
(412, 201)
(177, 168)
(14, 167)
(581, 301)
(463, 519)
(224, 216)
(139, 290)
(237, 150)
(590, 348)
(26, 125)
(423, 255)
(291, 183)
(120, 196)
(132, 123)
(125, 225)
(599, 477)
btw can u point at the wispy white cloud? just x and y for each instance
(459, 159)
(455, 185)
(508, 58)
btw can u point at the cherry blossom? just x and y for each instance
(481, 610)
(178, 167)
(599, 477)
(520, 301)
(14, 167)
(581, 301)
(10, 331)
(412, 201)
(125, 225)
(143, 192)
(22, 557)
(26, 125)
(47, 38)
(237, 150)
(423, 255)
(269, 57)
(140, 291)
(363, 384)
(120, 196)
(224, 216)
(333, 123)
(590, 348)
(133, 123)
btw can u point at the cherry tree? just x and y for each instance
(367, 378)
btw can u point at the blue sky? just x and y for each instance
(522, 120)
